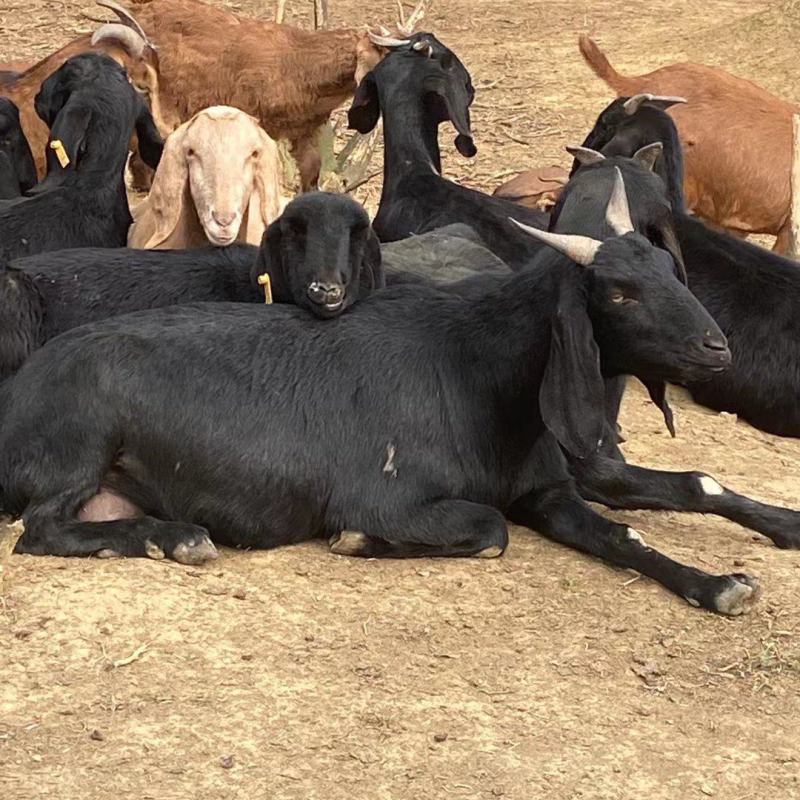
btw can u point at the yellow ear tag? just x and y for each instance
(61, 153)
(263, 280)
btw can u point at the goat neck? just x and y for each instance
(410, 131)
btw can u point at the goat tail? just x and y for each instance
(601, 66)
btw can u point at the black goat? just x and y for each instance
(753, 294)
(319, 237)
(266, 427)
(17, 168)
(322, 253)
(91, 109)
(419, 85)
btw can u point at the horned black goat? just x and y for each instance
(215, 421)
(753, 294)
(419, 85)
(91, 109)
(17, 168)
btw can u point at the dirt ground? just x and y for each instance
(545, 674)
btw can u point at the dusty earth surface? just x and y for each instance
(544, 674)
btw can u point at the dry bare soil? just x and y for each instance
(544, 674)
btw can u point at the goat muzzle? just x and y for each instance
(328, 295)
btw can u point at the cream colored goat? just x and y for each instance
(219, 181)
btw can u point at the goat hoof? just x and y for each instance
(739, 596)
(195, 552)
(106, 553)
(490, 552)
(152, 550)
(348, 543)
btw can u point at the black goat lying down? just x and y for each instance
(217, 418)
(321, 244)
(17, 168)
(753, 294)
(419, 85)
(91, 110)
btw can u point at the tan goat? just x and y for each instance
(736, 139)
(219, 181)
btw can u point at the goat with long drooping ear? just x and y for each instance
(417, 87)
(219, 181)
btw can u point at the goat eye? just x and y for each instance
(255, 154)
(617, 297)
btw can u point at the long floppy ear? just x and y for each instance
(572, 394)
(270, 261)
(163, 212)
(50, 99)
(68, 134)
(371, 278)
(264, 206)
(365, 110)
(151, 145)
(457, 97)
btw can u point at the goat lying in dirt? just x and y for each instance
(219, 181)
(724, 128)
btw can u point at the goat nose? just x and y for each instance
(223, 219)
(325, 293)
(718, 345)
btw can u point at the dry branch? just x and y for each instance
(10, 533)
(794, 233)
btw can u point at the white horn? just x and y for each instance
(633, 104)
(387, 41)
(649, 154)
(618, 213)
(423, 45)
(122, 34)
(585, 155)
(125, 17)
(581, 249)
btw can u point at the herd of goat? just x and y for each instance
(227, 366)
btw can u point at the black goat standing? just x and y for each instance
(753, 294)
(17, 168)
(403, 428)
(419, 85)
(91, 109)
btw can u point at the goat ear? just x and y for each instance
(365, 110)
(658, 394)
(371, 277)
(670, 243)
(151, 145)
(572, 394)
(164, 211)
(270, 261)
(50, 99)
(265, 204)
(458, 98)
(69, 129)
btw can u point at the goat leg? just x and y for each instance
(560, 514)
(443, 528)
(619, 485)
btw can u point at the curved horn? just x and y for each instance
(122, 34)
(618, 213)
(387, 41)
(581, 249)
(125, 17)
(633, 104)
(585, 155)
(423, 45)
(648, 155)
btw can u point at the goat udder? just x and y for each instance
(107, 506)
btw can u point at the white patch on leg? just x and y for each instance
(495, 551)
(635, 536)
(349, 543)
(738, 598)
(710, 486)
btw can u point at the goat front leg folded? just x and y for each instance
(560, 514)
(619, 485)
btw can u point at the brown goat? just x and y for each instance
(287, 78)
(537, 188)
(736, 138)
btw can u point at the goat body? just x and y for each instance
(724, 128)
(17, 170)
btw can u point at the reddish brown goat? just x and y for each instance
(726, 128)
(289, 79)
